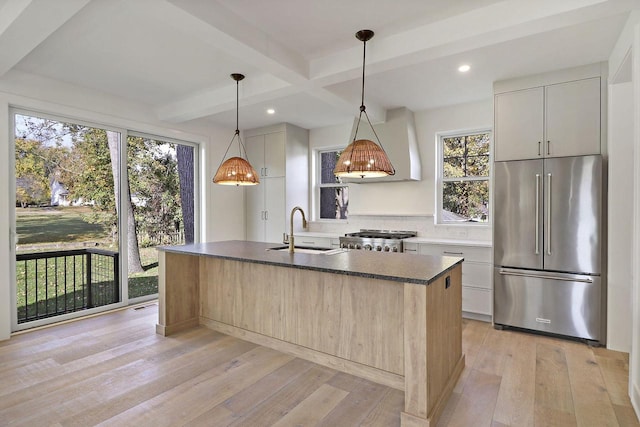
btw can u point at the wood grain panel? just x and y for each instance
(433, 346)
(415, 351)
(444, 331)
(554, 401)
(364, 371)
(517, 389)
(180, 298)
(591, 404)
(353, 318)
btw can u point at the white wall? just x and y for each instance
(402, 200)
(620, 216)
(629, 42)
(634, 376)
(219, 205)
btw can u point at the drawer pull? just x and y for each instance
(452, 253)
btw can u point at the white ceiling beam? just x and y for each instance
(24, 24)
(505, 20)
(216, 100)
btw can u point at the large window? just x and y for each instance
(334, 195)
(90, 201)
(464, 177)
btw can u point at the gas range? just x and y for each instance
(376, 240)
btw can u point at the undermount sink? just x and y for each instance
(307, 250)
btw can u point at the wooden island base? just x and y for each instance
(404, 335)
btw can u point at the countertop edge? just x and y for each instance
(185, 250)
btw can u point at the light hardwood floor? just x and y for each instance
(114, 370)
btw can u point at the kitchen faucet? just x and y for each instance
(304, 225)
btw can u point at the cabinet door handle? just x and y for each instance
(266, 171)
(266, 215)
(548, 147)
(539, 152)
(548, 214)
(537, 214)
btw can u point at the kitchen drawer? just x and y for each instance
(469, 253)
(476, 300)
(411, 248)
(477, 274)
(313, 242)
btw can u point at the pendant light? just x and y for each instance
(236, 170)
(363, 158)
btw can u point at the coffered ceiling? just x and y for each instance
(300, 57)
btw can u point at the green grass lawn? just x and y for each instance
(61, 228)
(58, 224)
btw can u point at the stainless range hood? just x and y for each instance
(398, 137)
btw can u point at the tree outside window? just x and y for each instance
(465, 178)
(334, 195)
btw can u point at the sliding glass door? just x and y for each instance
(163, 187)
(66, 217)
(91, 205)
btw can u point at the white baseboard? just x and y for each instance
(476, 316)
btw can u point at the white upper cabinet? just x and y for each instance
(267, 153)
(572, 117)
(557, 120)
(519, 124)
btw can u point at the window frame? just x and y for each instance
(317, 180)
(440, 179)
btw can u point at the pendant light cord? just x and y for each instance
(237, 106)
(237, 132)
(364, 57)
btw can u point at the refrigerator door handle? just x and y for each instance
(537, 214)
(506, 272)
(548, 224)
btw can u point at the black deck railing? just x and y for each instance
(59, 282)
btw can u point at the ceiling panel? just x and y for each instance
(313, 28)
(119, 48)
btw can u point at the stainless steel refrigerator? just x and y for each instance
(548, 239)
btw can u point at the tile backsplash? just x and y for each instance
(423, 225)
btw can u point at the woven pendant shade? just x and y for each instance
(236, 171)
(363, 159)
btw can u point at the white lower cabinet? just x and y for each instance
(477, 285)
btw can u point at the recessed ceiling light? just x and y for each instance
(271, 111)
(464, 68)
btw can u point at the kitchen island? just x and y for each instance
(391, 318)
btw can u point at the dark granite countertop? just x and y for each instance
(399, 267)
